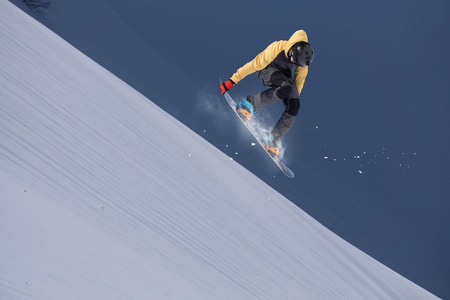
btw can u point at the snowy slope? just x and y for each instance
(105, 196)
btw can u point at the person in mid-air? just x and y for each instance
(273, 67)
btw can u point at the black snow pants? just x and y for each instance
(280, 88)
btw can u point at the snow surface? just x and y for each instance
(105, 196)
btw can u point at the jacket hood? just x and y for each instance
(298, 36)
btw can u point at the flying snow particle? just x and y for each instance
(360, 172)
(253, 144)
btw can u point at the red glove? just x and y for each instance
(226, 86)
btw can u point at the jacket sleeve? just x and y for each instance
(299, 78)
(261, 61)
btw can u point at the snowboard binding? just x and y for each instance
(245, 110)
(271, 145)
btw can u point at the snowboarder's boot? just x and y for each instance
(271, 145)
(245, 110)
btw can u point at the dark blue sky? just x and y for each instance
(370, 146)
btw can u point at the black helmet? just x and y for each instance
(302, 54)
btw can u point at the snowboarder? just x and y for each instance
(273, 67)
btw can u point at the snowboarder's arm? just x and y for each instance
(261, 61)
(299, 78)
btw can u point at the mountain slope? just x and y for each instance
(105, 196)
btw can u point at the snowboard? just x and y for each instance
(286, 171)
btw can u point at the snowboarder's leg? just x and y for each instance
(287, 119)
(280, 88)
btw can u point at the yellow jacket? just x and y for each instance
(264, 58)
